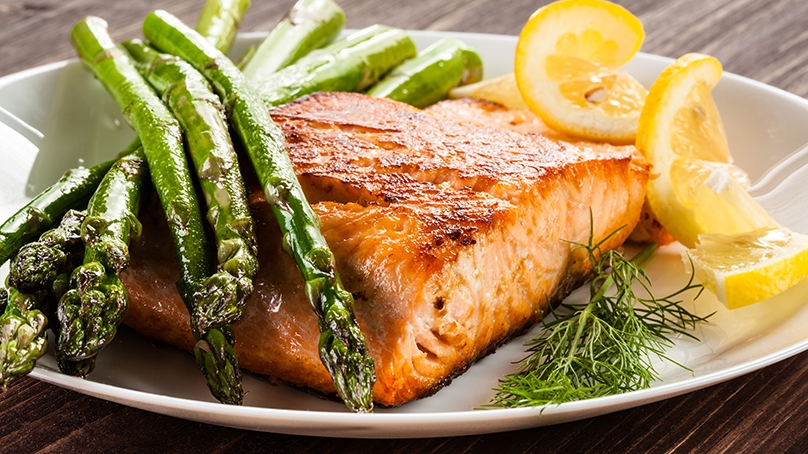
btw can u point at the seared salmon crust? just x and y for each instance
(452, 236)
(478, 111)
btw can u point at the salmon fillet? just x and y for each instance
(451, 236)
(522, 120)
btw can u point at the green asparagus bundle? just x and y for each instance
(350, 64)
(161, 136)
(36, 264)
(187, 93)
(91, 310)
(214, 351)
(72, 191)
(427, 78)
(222, 297)
(219, 21)
(34, 271)
(309, 25)
(343, 349)
(44, 268)
(223, 294)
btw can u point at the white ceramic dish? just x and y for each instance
(55, 117)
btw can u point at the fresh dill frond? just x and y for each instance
(605, 346)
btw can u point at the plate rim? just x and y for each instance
(408, 425)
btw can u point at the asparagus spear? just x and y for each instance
(309, 25)
(161, 136)
(222, 297)
(351, 64)
(162, 141)
(343, 349)
(219, 21)
(91, 310)
(427, 78)
(23, 323)
(72, 191)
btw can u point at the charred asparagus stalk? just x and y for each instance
(309, 25)
(31, 285)
(343, 349)
(90, 312)
(219, 20)
(427, 78)
(72, 191)
(350, 64)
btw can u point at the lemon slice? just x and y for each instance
(566, 66)
(501, 90)
(746, 268)
(694, 188)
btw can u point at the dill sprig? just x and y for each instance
(605, 346)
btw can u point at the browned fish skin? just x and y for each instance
(450, 235)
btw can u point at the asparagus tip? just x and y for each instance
(90, 312)
(217, 359)
(352, 370)
(35, 266)
(77, 368)
(21, 343)
(219, 301)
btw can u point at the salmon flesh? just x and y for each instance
(452, 237)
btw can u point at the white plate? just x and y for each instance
(57, 116)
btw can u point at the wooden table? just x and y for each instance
(766, 40)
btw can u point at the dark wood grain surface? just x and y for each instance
(765, 411)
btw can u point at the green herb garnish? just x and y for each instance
(605, 346)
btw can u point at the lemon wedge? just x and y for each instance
(694, 188)
(566, 65)
(747, 268)
(738, 250)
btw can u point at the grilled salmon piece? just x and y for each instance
(452, 238)
(522, 120)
